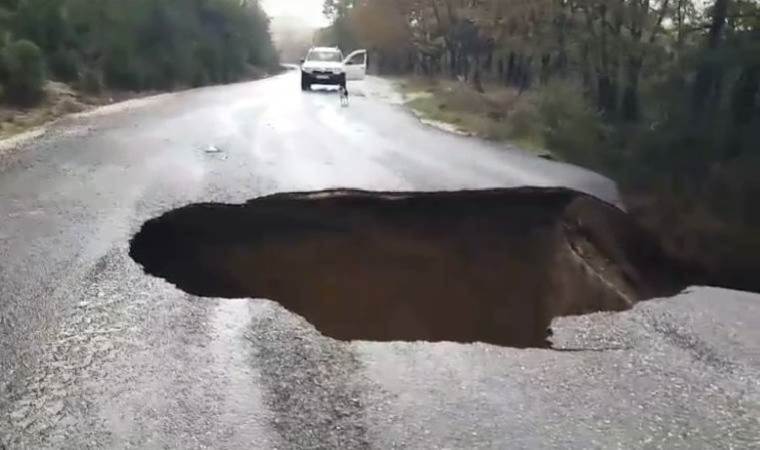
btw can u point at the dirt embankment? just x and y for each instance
(61, 99)
(493, 266)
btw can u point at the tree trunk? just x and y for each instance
(526, 75)
(545, 60)
(465, 70)
(709, 72)
(518, 71)
(744, 108)
(476, 82)
(630, 105)
(561, 60)
(744, 99)
(511, 69)
(605, 88)
(607, 96)
(452, 63)
(586, 70)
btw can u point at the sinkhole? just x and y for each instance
(492, 266)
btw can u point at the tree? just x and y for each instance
(709, 71)
(25, 72)
(147, 44)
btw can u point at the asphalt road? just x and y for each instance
(94, 354)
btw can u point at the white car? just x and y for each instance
(326, 65)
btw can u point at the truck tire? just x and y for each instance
(305, 84)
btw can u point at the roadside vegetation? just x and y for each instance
(99, 47)
(499, 113)
(661, 95)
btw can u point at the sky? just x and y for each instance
(310, 11)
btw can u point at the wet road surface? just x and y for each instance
(95, 354)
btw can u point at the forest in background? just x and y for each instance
(131, 45)
(661, 95)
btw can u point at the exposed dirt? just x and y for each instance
(59, 101)
(494, 266)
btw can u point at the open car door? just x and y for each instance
(356, 65)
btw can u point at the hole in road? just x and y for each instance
(493, 266)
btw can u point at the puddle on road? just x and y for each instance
(493, 266)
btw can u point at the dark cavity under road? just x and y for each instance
(493, 266)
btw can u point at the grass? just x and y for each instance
(433, 108)
(487, 115)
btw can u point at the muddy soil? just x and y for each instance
(492, 266)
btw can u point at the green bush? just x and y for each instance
(147, 44)
(524, 121)
(571, 126)
(25, 67)
(121, 69)
(64, 65)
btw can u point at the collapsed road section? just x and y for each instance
(493, 266)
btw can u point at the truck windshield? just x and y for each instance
(326, 56)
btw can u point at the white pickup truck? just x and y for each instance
(326, 65)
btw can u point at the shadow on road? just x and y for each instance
(322, 90)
